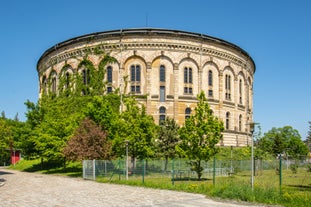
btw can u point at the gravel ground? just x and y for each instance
(33, 189)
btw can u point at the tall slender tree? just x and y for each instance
(199, 135)
(136, 127)
(167, 139)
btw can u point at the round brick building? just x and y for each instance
(165, 70)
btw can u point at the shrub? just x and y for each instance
(294, 168)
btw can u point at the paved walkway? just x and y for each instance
(32, 190)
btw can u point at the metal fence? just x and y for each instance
(180, 170)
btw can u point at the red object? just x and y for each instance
(15, 156)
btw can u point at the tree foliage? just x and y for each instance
(88, 142)
(138, 128)
(53, 121)
(167, 139)
(13, 135)
(283, 140)
(58, 112)
(199, 135)
(6, 137)
(104, 111)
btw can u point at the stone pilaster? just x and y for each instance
(176, 88)
(148, 88)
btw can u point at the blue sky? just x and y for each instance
(275, 33)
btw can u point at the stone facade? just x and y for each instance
(166, 69)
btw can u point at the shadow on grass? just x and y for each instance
(191, 179)
(300, 187)
(54, 167)
(68, 171)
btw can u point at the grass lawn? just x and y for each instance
(295, 191)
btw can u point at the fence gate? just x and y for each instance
(89, 169)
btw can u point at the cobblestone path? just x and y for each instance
(38, 190)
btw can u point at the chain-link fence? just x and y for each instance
(290, 173)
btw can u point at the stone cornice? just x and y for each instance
(104, 37)
(80, 52)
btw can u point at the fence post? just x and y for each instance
(214, 169)
(173, 172)
(83, 167)
(280, 166)
(94, 170)
(119, 169)
(144, 168)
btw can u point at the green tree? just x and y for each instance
(6, 139)
(167, 139)
(199, 135)
(12, 135)
(283, 140)
(88, 142)
(56, 115)
(104, 111)
(138, 128)
(53, 121)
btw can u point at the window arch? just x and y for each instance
(187, 112)
(135, 78)
(162, 73)
(109, 79)
(65, 77)
(162, 112)
(227, 120)
(53, 82)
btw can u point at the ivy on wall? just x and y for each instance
(87, 80)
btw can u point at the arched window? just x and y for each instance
(240, 91)
(228, 87)
(54, 84)
(86, 76)
(44, 84)
(135, 78)
(162, 112)
(228, 120)
(210, 78)
(67, 80)
(187, 80)
(210, 83)
(109, 79)
(109, 74)
(162, 73)
(187, 113)
(187, 75)
(240, 122)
